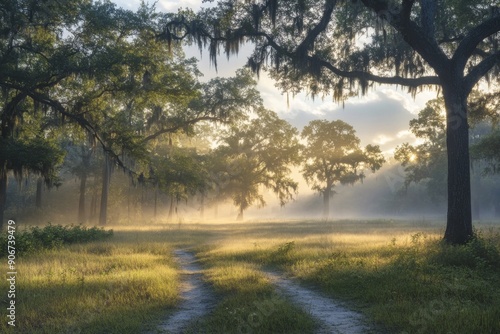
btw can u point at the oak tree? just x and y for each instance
(257, 154)
(333, 156)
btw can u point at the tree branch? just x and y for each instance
(429, 50)
(320, 27)
(468, 45)
(179, 126)
(428, 14)
(480, 70)
(366, 76)
(80, 121)
(412, 33)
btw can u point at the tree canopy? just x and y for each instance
(257, 154)
(333, 156)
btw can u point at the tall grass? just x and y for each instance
(399, 274)
(122, 285)
(404, 280)
(249, 302)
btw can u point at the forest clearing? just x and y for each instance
(397, 276)
(263, 166)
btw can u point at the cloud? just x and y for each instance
(161, 5)
(380, 118)
(174, 5)
(382, 139)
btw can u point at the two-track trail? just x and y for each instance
(198, 299)
(332, 316)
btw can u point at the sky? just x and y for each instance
(380, 118)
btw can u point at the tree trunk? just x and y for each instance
(171, 210)
(39, 188)
(106, 177)
(93, 204)
(3, 195)
(459, 219)
(326, 204)
(476, 194)
(81, 203)
(156, 201)
(202, 206)
(240, 215)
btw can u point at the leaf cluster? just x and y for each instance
(333, 155)
(258, 153)
(39, 156)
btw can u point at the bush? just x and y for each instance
(51, 236)
(479, 252)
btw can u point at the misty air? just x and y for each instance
(242, 167)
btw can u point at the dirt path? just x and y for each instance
(198, 300)
(197, 297)
(333, 317)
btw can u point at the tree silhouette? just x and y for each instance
(333, 156)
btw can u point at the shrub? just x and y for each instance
(51, 236)
(479, 252)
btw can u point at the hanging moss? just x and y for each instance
(37, 156)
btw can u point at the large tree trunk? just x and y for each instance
(326, 199)
(3, 195)
(93, 204)
(476, 195)
(459, 220)
(106, 177)
(81, 203)
(39, 190)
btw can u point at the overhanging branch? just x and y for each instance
(468, 45)
(360, 75)
(56, 105)
(395, 80)
(480, 70)
(411, 32)
(180, 126)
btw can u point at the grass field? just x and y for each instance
(397, 273)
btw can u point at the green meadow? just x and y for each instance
(398, 274)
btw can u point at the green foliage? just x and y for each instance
(282, 254)
(479, 253)
(38, 156)
(382, 40)
(258, 153)
(179, 173)
(333, 155)
(427, 162)
(36, 239)
(488, 149)
(449, 45)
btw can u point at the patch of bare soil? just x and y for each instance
(197, 297)
(333, 317)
